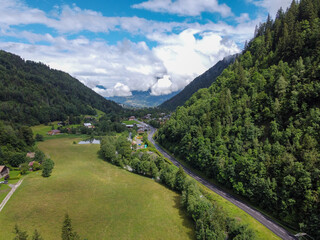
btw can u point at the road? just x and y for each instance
(266, 221)
(6, 199)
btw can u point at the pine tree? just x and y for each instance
(67, 231)
(20, 235)
(36, 235)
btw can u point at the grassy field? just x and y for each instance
(103, 201)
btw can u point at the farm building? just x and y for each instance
(4, 171)
(30, 154)
(54, 132)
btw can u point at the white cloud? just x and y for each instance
(185, 56)
(185, 7)
(162, 86)
(118, 90)
(175, 60)
(272, 6)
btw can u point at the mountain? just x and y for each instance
(142, 99)
(256, 129)
(203, 81)
(32, 93)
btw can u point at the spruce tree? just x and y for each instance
(67, 231)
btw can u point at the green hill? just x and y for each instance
(203, 81)
(256, 130)
(32, 93)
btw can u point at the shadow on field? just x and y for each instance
(187, 220)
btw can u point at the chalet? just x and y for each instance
(4, 171)
(141, 131)
(87, 125)
(54, 132)
(132, 118)
(30, 154)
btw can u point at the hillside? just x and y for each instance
(203, 81)
(32, 93)
(256, 129)
(142, 99)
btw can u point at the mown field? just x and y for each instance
(103, 201)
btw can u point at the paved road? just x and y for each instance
(274, 227)
(6, 199)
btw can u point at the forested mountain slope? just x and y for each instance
(203, 81)
(32, 93)
(256, 130)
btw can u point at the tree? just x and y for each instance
(39, 137)
(67, 231)
(180, 179)
(36, 235)
(109, 151)
(36, 166)
(20, 235)
(47, 167)
(24, 168)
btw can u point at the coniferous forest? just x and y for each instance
(32, 93)
(256, 130)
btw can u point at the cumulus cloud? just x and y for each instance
(190, 53)
(162, 86)
(185, 7)
(119, 89)
(181, 50)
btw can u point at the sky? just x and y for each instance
(131, 45)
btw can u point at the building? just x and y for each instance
(31, 154)
(54, 132)
(87, 125)
(132, 118)
(4, 171)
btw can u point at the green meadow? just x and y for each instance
(103, 201)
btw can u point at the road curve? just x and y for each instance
(266, 221)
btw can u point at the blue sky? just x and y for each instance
(128, 45)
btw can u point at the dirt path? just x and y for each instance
(14, 187)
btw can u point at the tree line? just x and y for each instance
(210, 221)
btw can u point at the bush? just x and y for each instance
(47, 166)
(39, 137)
(24, 168)
(36, 166)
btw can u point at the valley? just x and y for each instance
(103, 201)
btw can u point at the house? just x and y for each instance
(4, 171)
(54, 132)
(31, 154)
(132, 118)
(141, 131)
(87, 125)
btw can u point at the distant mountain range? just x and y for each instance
(142, 99)
(32, 93)
(203, 81)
